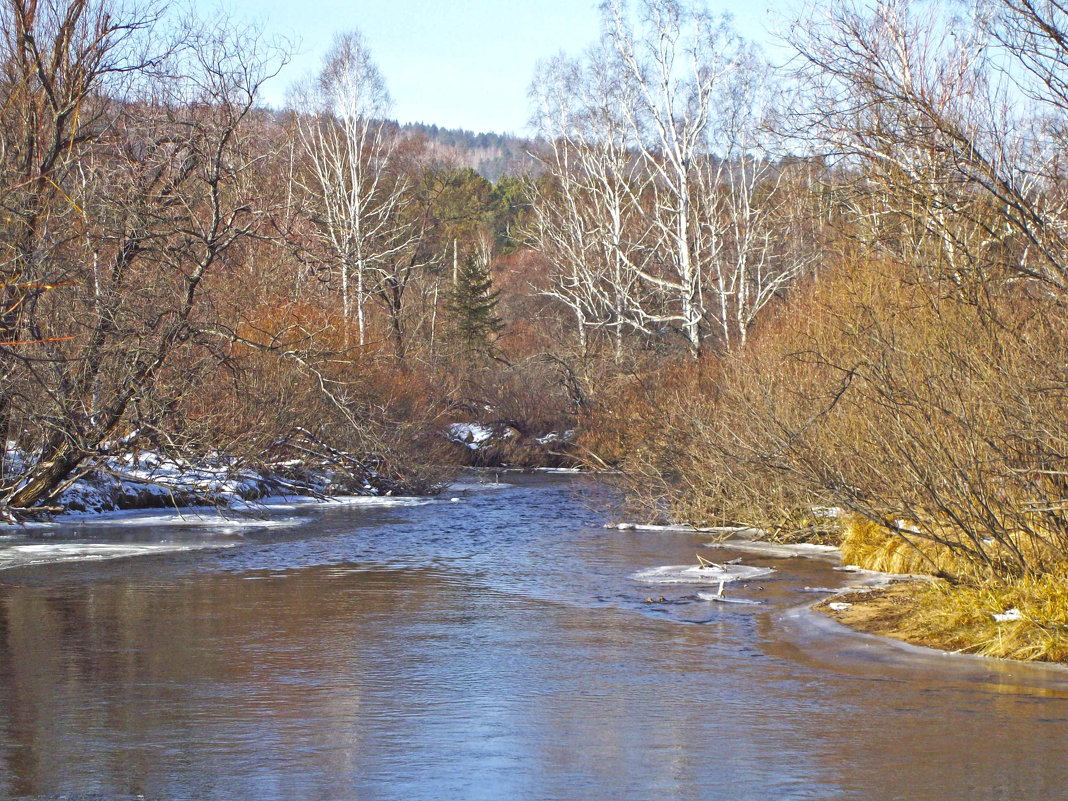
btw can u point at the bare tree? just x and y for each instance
(670, 205)
(151, 204)
(59, 63)
(585, 218)
(356, 186)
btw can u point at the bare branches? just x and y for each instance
(357, 185)
(151, 195)
(670, 206)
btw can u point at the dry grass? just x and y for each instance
(874, 547)
(961, 618)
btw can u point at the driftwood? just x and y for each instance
(708, 563)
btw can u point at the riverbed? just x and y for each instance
(493, 643)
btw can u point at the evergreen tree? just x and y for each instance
(472, 307)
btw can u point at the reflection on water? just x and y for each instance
(490, 649)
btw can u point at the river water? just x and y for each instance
(495, 647)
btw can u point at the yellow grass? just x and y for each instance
(963, 617)
(955, 616)
(874, 547)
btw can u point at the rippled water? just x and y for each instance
(492, 648)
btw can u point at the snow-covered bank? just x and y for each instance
(509, 444)
(149, 480)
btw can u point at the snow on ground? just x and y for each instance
(472, 435)
(154, 480)
(694, 574)
(477, 435)
(1009, 615)
(149, 480)
(554, 436)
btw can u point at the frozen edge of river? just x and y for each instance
(259, 513)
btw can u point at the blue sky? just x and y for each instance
(456, 63)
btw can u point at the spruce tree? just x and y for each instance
(472, 306)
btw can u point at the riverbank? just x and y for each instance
(147, 479)
(510, 444)
(1024, 620)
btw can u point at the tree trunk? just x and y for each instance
(45, 478)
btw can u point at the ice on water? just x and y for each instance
(696, 574)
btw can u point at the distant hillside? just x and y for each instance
(489, 154)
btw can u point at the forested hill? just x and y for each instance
(489, 154)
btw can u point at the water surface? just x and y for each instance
(490, 648)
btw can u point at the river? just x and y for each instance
(492, 647)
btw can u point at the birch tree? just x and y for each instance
(753, 220)
(355, 186)
(670, 207)
(582, 216)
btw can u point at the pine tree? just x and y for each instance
(472, 307)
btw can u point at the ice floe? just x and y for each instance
(677, 527)
(477, 486)
(698, 574)
(723, 599)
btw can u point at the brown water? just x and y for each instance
(494, 648)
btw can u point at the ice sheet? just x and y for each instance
(693, 574)
(30, 554)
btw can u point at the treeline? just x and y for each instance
(491, 155)
(772, 295)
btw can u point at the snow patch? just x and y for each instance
(555, 436)
(1009, 615)
(472, 435)
(827, 512)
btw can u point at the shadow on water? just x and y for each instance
(493, 647)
